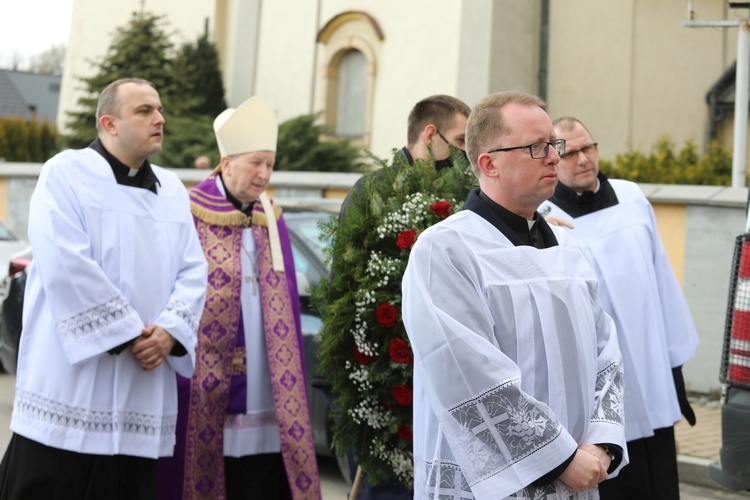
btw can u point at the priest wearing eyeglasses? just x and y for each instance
(616, 230)
(517, 372)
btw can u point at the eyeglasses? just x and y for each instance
(442, 137)
(588, 150)
(538, 150)
(460, 141)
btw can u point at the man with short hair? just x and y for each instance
(517, 374)
(112, 304)
(434, 124)
(616, 230)
(244, 429)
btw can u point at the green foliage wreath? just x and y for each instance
(365, 353)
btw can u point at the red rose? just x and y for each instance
(441, 208)
(400, 352)
(362, 359)
(406, 239)
(386, 315)
(404, 432)
(402, 394)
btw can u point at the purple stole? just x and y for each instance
(220, 227)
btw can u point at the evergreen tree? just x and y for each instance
(300, 148)
(189, 129)
(198, 79)
(186, 138)
(141, 49)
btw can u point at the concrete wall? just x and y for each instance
(698, 225)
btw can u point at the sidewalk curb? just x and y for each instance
(693, 470)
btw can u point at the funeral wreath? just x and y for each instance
(365, 354)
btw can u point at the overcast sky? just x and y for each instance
(28, 27)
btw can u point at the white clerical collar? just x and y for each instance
(132, 172)
(598, 185)
(530, 223)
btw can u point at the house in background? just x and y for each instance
(29, 95)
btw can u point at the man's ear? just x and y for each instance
(223, 166)
(107, 124)
(429, 133)
(486, 165)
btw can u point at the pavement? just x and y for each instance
(697, 447)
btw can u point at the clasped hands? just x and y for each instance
(588, 468)
(152, 347)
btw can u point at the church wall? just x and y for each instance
(515, 46)
(237, 44)
(286, 57)
(428, 47)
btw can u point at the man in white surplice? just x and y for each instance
(112, 305)
(616, 230)
(517, 375)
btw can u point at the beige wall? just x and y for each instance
(633, 72)
(237, 44)
(515, 46)
(671, 220)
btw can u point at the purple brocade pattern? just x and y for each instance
(210, 384)
(217, 338)
(285, 361)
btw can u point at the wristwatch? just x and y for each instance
(609, 451)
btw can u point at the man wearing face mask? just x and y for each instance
(434, 124)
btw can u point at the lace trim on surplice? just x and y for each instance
(185, 313)
(608, 406)
(97, 322)
(56, 414)
(444, 481)
(497, 429)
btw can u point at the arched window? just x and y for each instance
(351, 98)
(350, 43)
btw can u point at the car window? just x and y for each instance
(307, 247)
(307, 229)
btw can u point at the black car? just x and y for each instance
(302, 219)
(13, 287)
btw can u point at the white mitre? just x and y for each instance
(250, 127)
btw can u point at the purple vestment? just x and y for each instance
(197, 468)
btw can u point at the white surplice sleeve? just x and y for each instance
(502, 438)
(184, 308)
(90, 314)
(608, 417)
